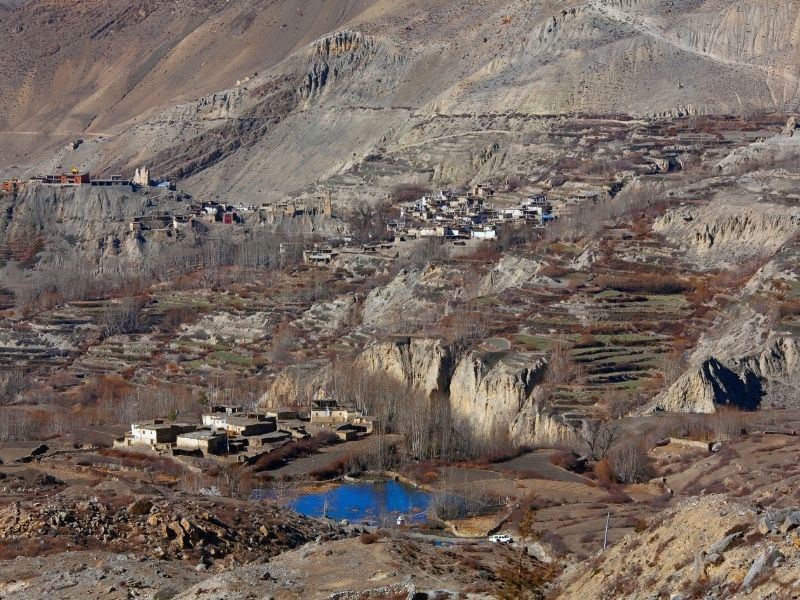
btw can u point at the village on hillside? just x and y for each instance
(232, 432)
(457, 217)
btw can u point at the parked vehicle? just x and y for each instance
(501, 538)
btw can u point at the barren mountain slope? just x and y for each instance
(417, 64)
(73, 67)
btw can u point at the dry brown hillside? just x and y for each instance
(72, 68)
(125, 72)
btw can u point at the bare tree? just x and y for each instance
(599, 436)
(283, 342)
(428, 250)
(408, 192)
(125, 317)
(561, 368)
(369, 221)
(12, 383)
(630, 462)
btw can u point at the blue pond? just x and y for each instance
(358, 502)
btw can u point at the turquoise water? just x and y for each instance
(370, 502)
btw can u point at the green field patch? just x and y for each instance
(231, 358)
(486, 301)
(633, 384)
(671, 299)
(637, 358)
(532, 342)
(627, 339)
(578, 276)
(193, 364)
(563, 248)
(608, 293)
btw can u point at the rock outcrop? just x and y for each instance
(730, 229)
(402, 301)
(791, 127)
(491, 394)
(509, 272)
(296, 384)
(142, 177)
(768, 378)
(490, 391)
(697, 537)
(424, 364)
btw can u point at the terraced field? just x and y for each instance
(622, 338)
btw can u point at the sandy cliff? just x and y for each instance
(767, 378)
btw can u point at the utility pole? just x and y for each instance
(605, 535)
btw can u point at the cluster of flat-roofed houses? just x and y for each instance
(463, 216)
(228, 430)
(454, 216)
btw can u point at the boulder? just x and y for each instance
(165, 593)
(140, 507)
(772, 521)
(722, 545)
(39, 450)
(791, 522)
(714, 555)
(791, 127)
(699, 567)
(174, 530)
(765, 561)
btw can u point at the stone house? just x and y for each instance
(245, 426)
(205, 440)
(154, 433)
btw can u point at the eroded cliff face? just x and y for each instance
(88, 228)
(769, 378)
(424, 364)
(730, 230)
(535, 424)
(490, 393)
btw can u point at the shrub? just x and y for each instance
(565, 460)
(297, 449)
(368, 538)
(408, 192)
(180, 315)
(125, 317)
(603, 473)
(556, 542)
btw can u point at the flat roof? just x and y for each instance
(151, 425)
(243, 421)
(202, 434)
